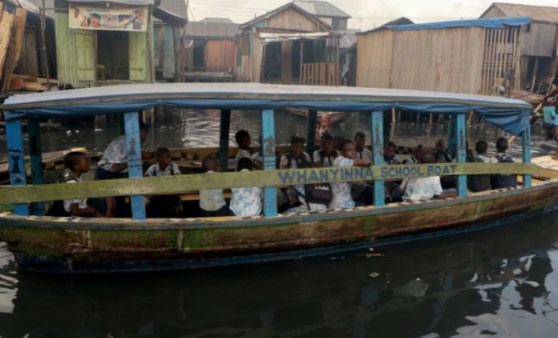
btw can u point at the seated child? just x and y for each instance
(325, 156)
(502, 181)
(78, 164)
(246, 201)
(244, 140)
(212, 202)
(549, 117)
(424, 188)
(164, 205)
(477, 183)
(361, 152)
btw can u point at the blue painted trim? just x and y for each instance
(133, 146)
(36, 161)
(377, 132)
(461, 147)
(16, 161)
(483, 23)
(526, 154)
(224, 130)
(268, 155)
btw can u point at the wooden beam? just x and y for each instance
(377, 141)
(311, 131)
(135, 170)
(224, 140)
(178, 184)
(14, 48)
(268, 153)
(14, 135)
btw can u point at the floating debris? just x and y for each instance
(374, 274)
(415, 288)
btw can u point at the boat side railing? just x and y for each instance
(192, 183)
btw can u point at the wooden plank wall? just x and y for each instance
(6, 34)
(375, 59)
(540, 41)
(320, 74)
(66, 61)
(221, 55)
(292, 20)
(501, 59)
(439, 60)
(14, 47)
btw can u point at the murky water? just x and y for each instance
(501, 282)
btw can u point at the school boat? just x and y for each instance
(90, 245)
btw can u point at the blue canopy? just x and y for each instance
(508, 114)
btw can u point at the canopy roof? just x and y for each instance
(508, 114)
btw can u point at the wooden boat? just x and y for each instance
(69, 244)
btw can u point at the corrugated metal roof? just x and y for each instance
(35, 6)
(292, 5)
(211, 29)
(540, 13)
(177, 7)
(321, 8)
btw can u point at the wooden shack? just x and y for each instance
(290, 46)
(538, 45)
(168, 27)
(467, 56)
(211, 50)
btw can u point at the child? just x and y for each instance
(502, 181)
(477, 183)
(325, 156)
(164, 205)
(212, 202)
(78, 164)
(424, 188)
(246, 201)
(244, 140)
(549, 116)
(361, 152)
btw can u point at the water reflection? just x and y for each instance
(498, 282)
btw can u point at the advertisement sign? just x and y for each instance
(120, 18)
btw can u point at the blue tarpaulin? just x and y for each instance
(508, 114)
(483, 23)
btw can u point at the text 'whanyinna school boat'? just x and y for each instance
(70, 244)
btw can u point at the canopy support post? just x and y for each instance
(311, 132)
(268, 157)
(16, 160)
(377, 131)
(36, 160)
(526, 153)
(135, 170)
(452, 132)
(461, 152)
(224, 140)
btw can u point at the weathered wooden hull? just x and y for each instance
(116, 245)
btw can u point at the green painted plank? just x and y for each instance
(177, 184)
(138, 56)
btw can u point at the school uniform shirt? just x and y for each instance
(171, 169)
(482, 159)
(114, 153)
(246, 201)
(82, 203)
(421, 188)
(342, 191)
(293, 195)
(212, 200)
(502, 157)
(549, 114)
(328, 160)
(364, 154)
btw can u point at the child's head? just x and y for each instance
(348, 149)
(244, 163)
(481, 147)
(549, 102)
(243, 139)
(389, 150)
(359, 138)
(325, 121)
(143, 131)
(210, 164)
(297, 145)
(501, 144)
(163, 157)
(76, 161)
(327, 142)
(418, 151)
(440, 145)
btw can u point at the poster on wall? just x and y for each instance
(121, 18)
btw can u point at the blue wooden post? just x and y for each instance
(461, 152)
(452, 132)
(16, 161)
(526, 154)
(311, 132)
(36, 160)
(224, 140)
(268, 155)
(133, 146)
(377, 132)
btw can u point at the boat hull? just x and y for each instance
(119, 245)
